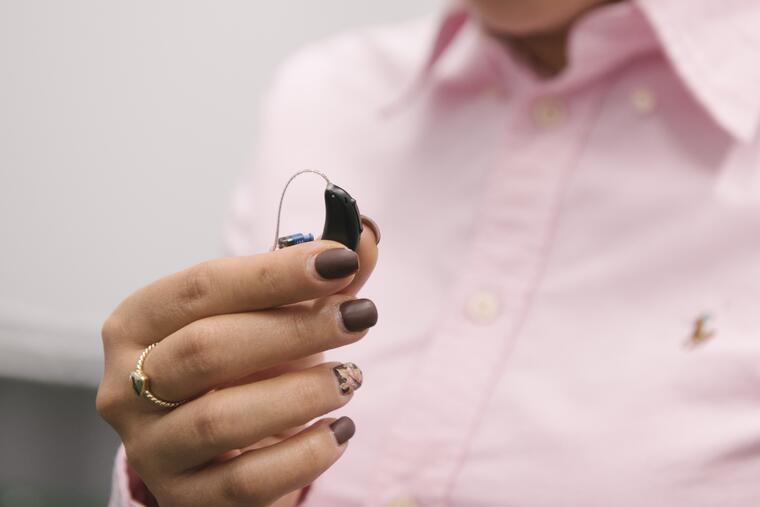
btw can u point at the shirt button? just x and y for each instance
(643, 100)
(482, 307)
(402, 501)
(549, 112)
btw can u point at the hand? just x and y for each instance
(237, 339)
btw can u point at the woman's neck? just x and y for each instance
(545, 53)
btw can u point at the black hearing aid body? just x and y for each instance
(342, 220)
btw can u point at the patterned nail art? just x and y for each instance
(349, 377)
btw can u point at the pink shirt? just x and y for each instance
(548, 247)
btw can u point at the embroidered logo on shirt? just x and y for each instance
(702, 331)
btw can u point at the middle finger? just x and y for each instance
(218, 350)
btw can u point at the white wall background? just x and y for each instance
(123, 127)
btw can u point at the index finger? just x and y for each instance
(234, 285)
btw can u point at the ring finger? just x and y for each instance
(239, 416)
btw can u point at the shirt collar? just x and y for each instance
(713, 47)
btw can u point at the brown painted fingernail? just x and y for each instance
(349, 376)
(343, 429)
(358, 314)
(372, 225)
(336, 263)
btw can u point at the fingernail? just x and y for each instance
(343, 429)
(372, 225)
(358, 314)
(349, 377)
(336, 263)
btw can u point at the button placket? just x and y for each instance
(480, 320)
(549, 112)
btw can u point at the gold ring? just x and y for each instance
(141, 383)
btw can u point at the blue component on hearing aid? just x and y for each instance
(294, 239)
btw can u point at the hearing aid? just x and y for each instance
(342, 219)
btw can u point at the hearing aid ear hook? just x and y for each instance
(342, 219)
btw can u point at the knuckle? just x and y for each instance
(108, 402)
(209, 427)
(239, 489)
(301, 332)
(268, 279)
(113, 329)
(310, 395)
(193, 350)
(312, 454)
(198, 283)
